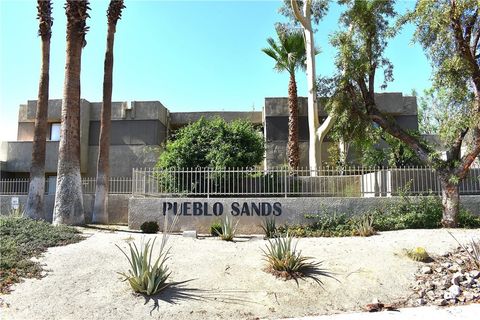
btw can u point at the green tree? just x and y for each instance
(289, 55)
(214, 143)
(449, 33)
(35, 205)
(100, 208)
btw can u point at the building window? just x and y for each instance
(55, 132)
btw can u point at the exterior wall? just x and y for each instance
(139, 129)
(402, 108)
(19, 156)
(117, 206)
(124, 158)
(292, 211)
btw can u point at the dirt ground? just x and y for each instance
(222, 280)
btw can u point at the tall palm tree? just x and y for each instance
(36, 191)
(289, 55)
(100, 208)
(68, 198)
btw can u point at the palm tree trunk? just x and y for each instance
(100, 209)
(35, 205)
(292, 147)
(68, 198)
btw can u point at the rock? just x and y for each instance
(448, 296)
(439, 270)
(461, 299)
(455, 290)
(441, 302)
(446, 265)
(426, 270)
(457, 278)
(474, 274)
(421, 302)
(468, 296)
(190, 234)
(459, 261)
(431, 295)
(429, 286)
(421, 293)
(453, 268)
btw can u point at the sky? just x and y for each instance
(189, 55)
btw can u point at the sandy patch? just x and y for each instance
(222, 280)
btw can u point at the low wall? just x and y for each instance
(117, 206)
(199, 213)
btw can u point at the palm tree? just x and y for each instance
(36, 191)
(289, 55)
(100, 208)
(68, 198)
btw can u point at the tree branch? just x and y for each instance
(468, 159)
(325, 127)
(298, 15)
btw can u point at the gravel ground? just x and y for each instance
(223, 280)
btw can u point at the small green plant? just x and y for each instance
(143, 276)
(284, 260)
(150, 227)
(216, 228)
(18, 212)
(229, 228)
(418, 254)
(21, 239)
(363, 226)
(269, 227)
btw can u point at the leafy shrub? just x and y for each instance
(216, 228)
(323, 225)
(269, 227)
(229, 228)
(144, 277)
(21, 239)
(418, 213)
(150, 227)
(468, 220)
(214, 143)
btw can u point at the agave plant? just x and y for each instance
(229, 228)
(144, 277)
(364, 226)
(474, 252)
(269, 227)
(148, 274)
(284, 260)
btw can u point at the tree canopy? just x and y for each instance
(214, 143)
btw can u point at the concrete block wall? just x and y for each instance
(117, 206)
(199, 213)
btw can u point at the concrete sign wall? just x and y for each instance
(199, 213)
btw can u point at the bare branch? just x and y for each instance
(299, 16)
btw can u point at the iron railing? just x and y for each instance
(324, 182)
(118, 185)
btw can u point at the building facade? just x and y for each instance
(140, 129)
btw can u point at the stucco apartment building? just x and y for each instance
(140, 129)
